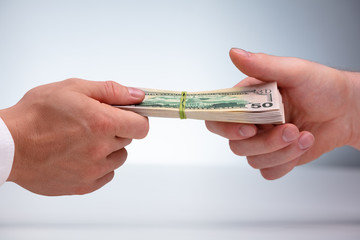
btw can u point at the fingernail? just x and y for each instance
(135, 92)
(247, 131)
(290, 134)
(241, 52)
(306, 141)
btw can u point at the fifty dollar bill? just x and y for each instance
(257, 104)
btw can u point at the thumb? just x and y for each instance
(286, 71)
(110, 92)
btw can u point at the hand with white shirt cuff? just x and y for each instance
(6, 152)
(68, 139)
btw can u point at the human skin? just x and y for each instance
(68, 139)
(322, 107)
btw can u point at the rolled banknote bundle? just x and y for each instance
(256, 104)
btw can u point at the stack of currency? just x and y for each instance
(256, 104)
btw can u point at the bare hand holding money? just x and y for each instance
(317, 102)
(68, 139)
(321, 110)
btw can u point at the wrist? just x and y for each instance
(354, 108)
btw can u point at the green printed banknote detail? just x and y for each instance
(220, 100)
(250, 104)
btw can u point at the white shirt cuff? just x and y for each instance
(7, 150)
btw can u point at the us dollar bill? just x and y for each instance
(256, 104)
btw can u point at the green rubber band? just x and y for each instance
(182, 105)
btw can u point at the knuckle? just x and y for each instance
(32, 93)
(84, 189)
(72, 81)
(210, 126)
(127, 141)
(236, 148)
(123, 157)
(252, 161)
(91, 173)
(143, 128)
(108, 177)
(39, 95)
(118, 159)
(268, 174)
(112, 88)
(119, 163)
(81, 190)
